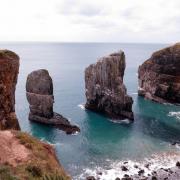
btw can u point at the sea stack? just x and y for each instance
(9, 69)
(105, 91)
(159, 76)
(39, 92)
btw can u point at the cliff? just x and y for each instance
(105, 91)
(9, 69)
(159, 76)
(23, 157)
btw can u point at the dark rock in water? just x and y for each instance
(9, 69)
(99, 173)
(135, 166)
(90, 178)
(147, 165)
(178, 164)
(140, 172)
(39, 87)
(105, 91)
(159, 76)
(154, 178)
(117, 178)
(126, 177)
(124, 168)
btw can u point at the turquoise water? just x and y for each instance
(101, 142)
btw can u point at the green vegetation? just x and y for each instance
(6, 174)
(8, 54)
(40, 165)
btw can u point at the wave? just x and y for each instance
(175, 114)
(125, 121)
(82, 106)
(157, 161)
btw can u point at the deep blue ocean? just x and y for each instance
(101, 144)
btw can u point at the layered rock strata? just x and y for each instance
(39, 92)
(105, 91)
(9, 69)
(159, 76)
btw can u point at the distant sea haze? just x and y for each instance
(102, 145)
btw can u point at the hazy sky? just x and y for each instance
(90, 20)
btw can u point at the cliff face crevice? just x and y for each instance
(105, 91)
(159, 76)
(9, 69)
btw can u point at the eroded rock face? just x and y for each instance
(9, 69)
(105, 91)
(39, 92)
(159, 76)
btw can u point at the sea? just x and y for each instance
(102, 146)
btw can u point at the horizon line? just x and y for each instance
(81, 42)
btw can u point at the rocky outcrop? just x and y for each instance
(9, 69)
(159, 76)
(39, 94)
(24, 157)
(105, 91)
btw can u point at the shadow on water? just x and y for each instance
(153, 120)
(42, 131)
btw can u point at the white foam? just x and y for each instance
(81, 106)
(157, 161)
(124, 121)
(75, 133)
(175, 114)
(134, 93)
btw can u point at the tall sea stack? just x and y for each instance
(39, 92)
(159, 76)
(105, 91)
(9, 69)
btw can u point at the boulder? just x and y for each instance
(105, 91)
(159, 76)
(9, 69)
(39, 92)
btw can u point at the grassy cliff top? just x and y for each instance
(7, 54)
(23, 157)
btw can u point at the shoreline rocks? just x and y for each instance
(39, 92)
(9, 69)
(105, 91)
(159, 76)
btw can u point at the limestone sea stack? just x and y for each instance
(159, 76)
(39, 92)
(105, 91)
(9, 69)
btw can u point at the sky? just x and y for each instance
(138, 21)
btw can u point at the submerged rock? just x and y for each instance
(39, 87)
(105, 91)
(159, 76)
(9, 69)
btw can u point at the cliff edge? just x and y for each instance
(159, 76)
(9, 69)
(23, 157)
